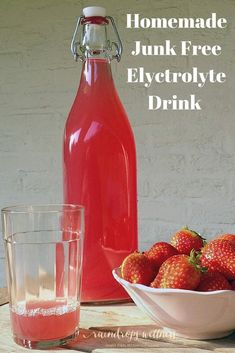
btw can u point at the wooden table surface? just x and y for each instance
(116, 329)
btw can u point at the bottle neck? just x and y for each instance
(95, 43)
(96, 77)
(96, 74)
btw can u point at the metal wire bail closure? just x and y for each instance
(118, 46)
(76, 45)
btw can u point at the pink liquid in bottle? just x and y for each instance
(100, 173)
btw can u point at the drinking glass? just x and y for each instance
(44, 257)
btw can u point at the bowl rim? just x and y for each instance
(116, 274)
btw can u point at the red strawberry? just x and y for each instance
(186, 240)
(227, 236)
(232, 285)
(160, 252)
(137, 268)
(219, 256)
(179, 271)
(213, 281)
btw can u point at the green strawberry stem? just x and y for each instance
(197, 234)
(194, 258)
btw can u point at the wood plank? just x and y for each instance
(132, 315)
(151, 332)
(119, 329)
(93, 340)
(153, 350)
(110, 315)
(3, 296)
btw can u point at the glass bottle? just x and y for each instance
(100, 160)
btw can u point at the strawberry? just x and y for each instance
(219, 256)
(160, 252)
(179, 271)
(211, 281)
(227, 236)
(137, 268)
(186, 240)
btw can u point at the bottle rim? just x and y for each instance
(98, 20)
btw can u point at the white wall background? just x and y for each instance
(186, 160)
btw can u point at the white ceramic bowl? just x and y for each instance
(189, 314)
